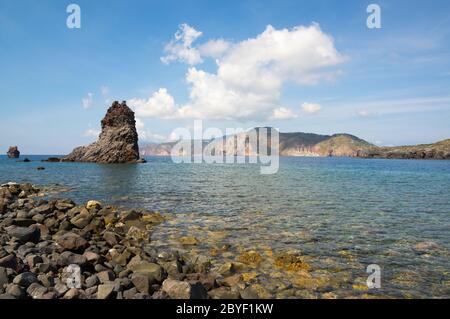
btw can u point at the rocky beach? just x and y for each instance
(56, 249)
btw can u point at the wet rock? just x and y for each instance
(291, 262)
(188, 240)
(224, 293)
(426, 247)
(251, 258)
(255, 291)
(24, 234)
(183, 290)
(93, 204)
(72, 241)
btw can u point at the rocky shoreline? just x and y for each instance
(55, 249)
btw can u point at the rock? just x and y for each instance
(72, 293)
(176, 289)
(42, 210)
(16, 291)
(72, 241)
(188, 240)
(291, 262)
(93, 204)
(3, 277)
(36, 291)
(426, 247)
(251, 258)
(13, 152)
(91, 256)
(40, 168)
(33, 260)
(25, 279)
(92, 281)
(154, 272)
(111, 238)
(223, 293)
(129, 215)
(141, 282)
(105, 291)
(118, 141)
(9, 261)
(26, 160)
(82, 219)
(24, 234)
(106, 276)
(52, 160)
(130, 293)
(69, 258)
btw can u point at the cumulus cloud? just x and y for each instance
(283, 113)
(214, 48)
(311, 108)
(250, 74)
(160, 105)
(88, 101)
(180, 49)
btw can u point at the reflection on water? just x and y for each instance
(340, 214)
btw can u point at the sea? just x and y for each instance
(350, 219)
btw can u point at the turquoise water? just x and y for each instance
(342, 214)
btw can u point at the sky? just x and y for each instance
(300, 66)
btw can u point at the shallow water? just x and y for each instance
(342, 214)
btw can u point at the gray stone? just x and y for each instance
(25, 279)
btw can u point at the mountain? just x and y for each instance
(316, 145)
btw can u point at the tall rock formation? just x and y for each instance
(117, 143)
(13, 152)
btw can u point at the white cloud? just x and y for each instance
(250, 74)
(147, 136)
(364, 113)
(180, 49)
(283, 113)
(311, 108)
(88, 101)
(160, 104)
(214, 48)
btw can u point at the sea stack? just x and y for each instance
(117, 143)
(13, 152)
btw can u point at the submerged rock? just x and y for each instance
(117, 143)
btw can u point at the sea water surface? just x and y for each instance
(342, 214)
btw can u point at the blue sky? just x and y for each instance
(389, 86)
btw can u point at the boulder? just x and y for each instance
(24, 234)
(176, 289)
(72, 241)
(117, 143)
